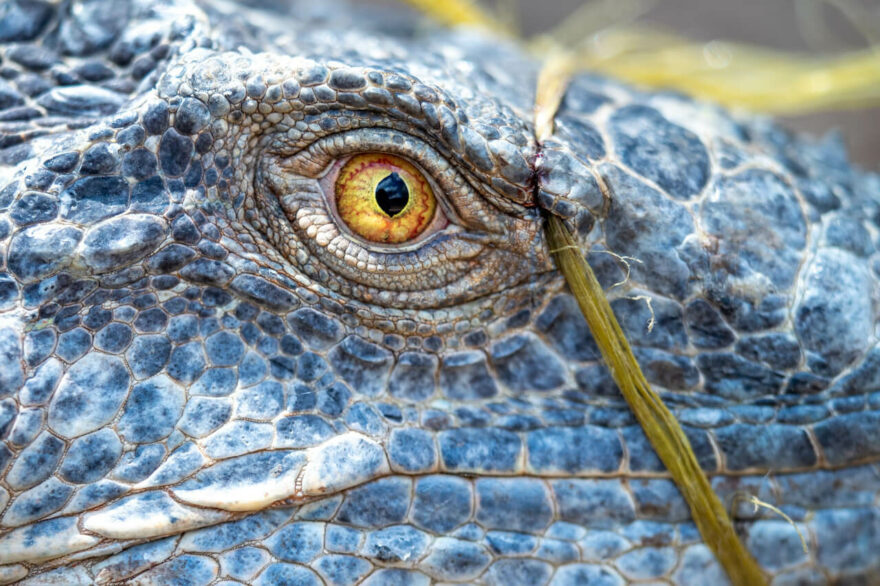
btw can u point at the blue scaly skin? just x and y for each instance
(205, 378)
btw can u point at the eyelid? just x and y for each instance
(314, 160)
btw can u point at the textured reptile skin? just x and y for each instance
(205, 380)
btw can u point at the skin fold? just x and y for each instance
(206, 377)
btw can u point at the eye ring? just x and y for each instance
(350, 201)
(383, 198)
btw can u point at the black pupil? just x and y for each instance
(392, 194)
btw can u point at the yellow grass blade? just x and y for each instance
(458, 13)
(658, 423)
(552, 81)
(735, 75)
(600, 37)
(660, 426)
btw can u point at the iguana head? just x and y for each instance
(196, 328)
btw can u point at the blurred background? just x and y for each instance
(813, 29)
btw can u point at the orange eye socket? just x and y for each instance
(383, 198)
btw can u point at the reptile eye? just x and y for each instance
(382, 217)
(383, 198)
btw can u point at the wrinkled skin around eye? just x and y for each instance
(466, 252)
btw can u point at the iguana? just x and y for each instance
(276, 307)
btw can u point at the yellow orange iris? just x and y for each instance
(361, 208)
